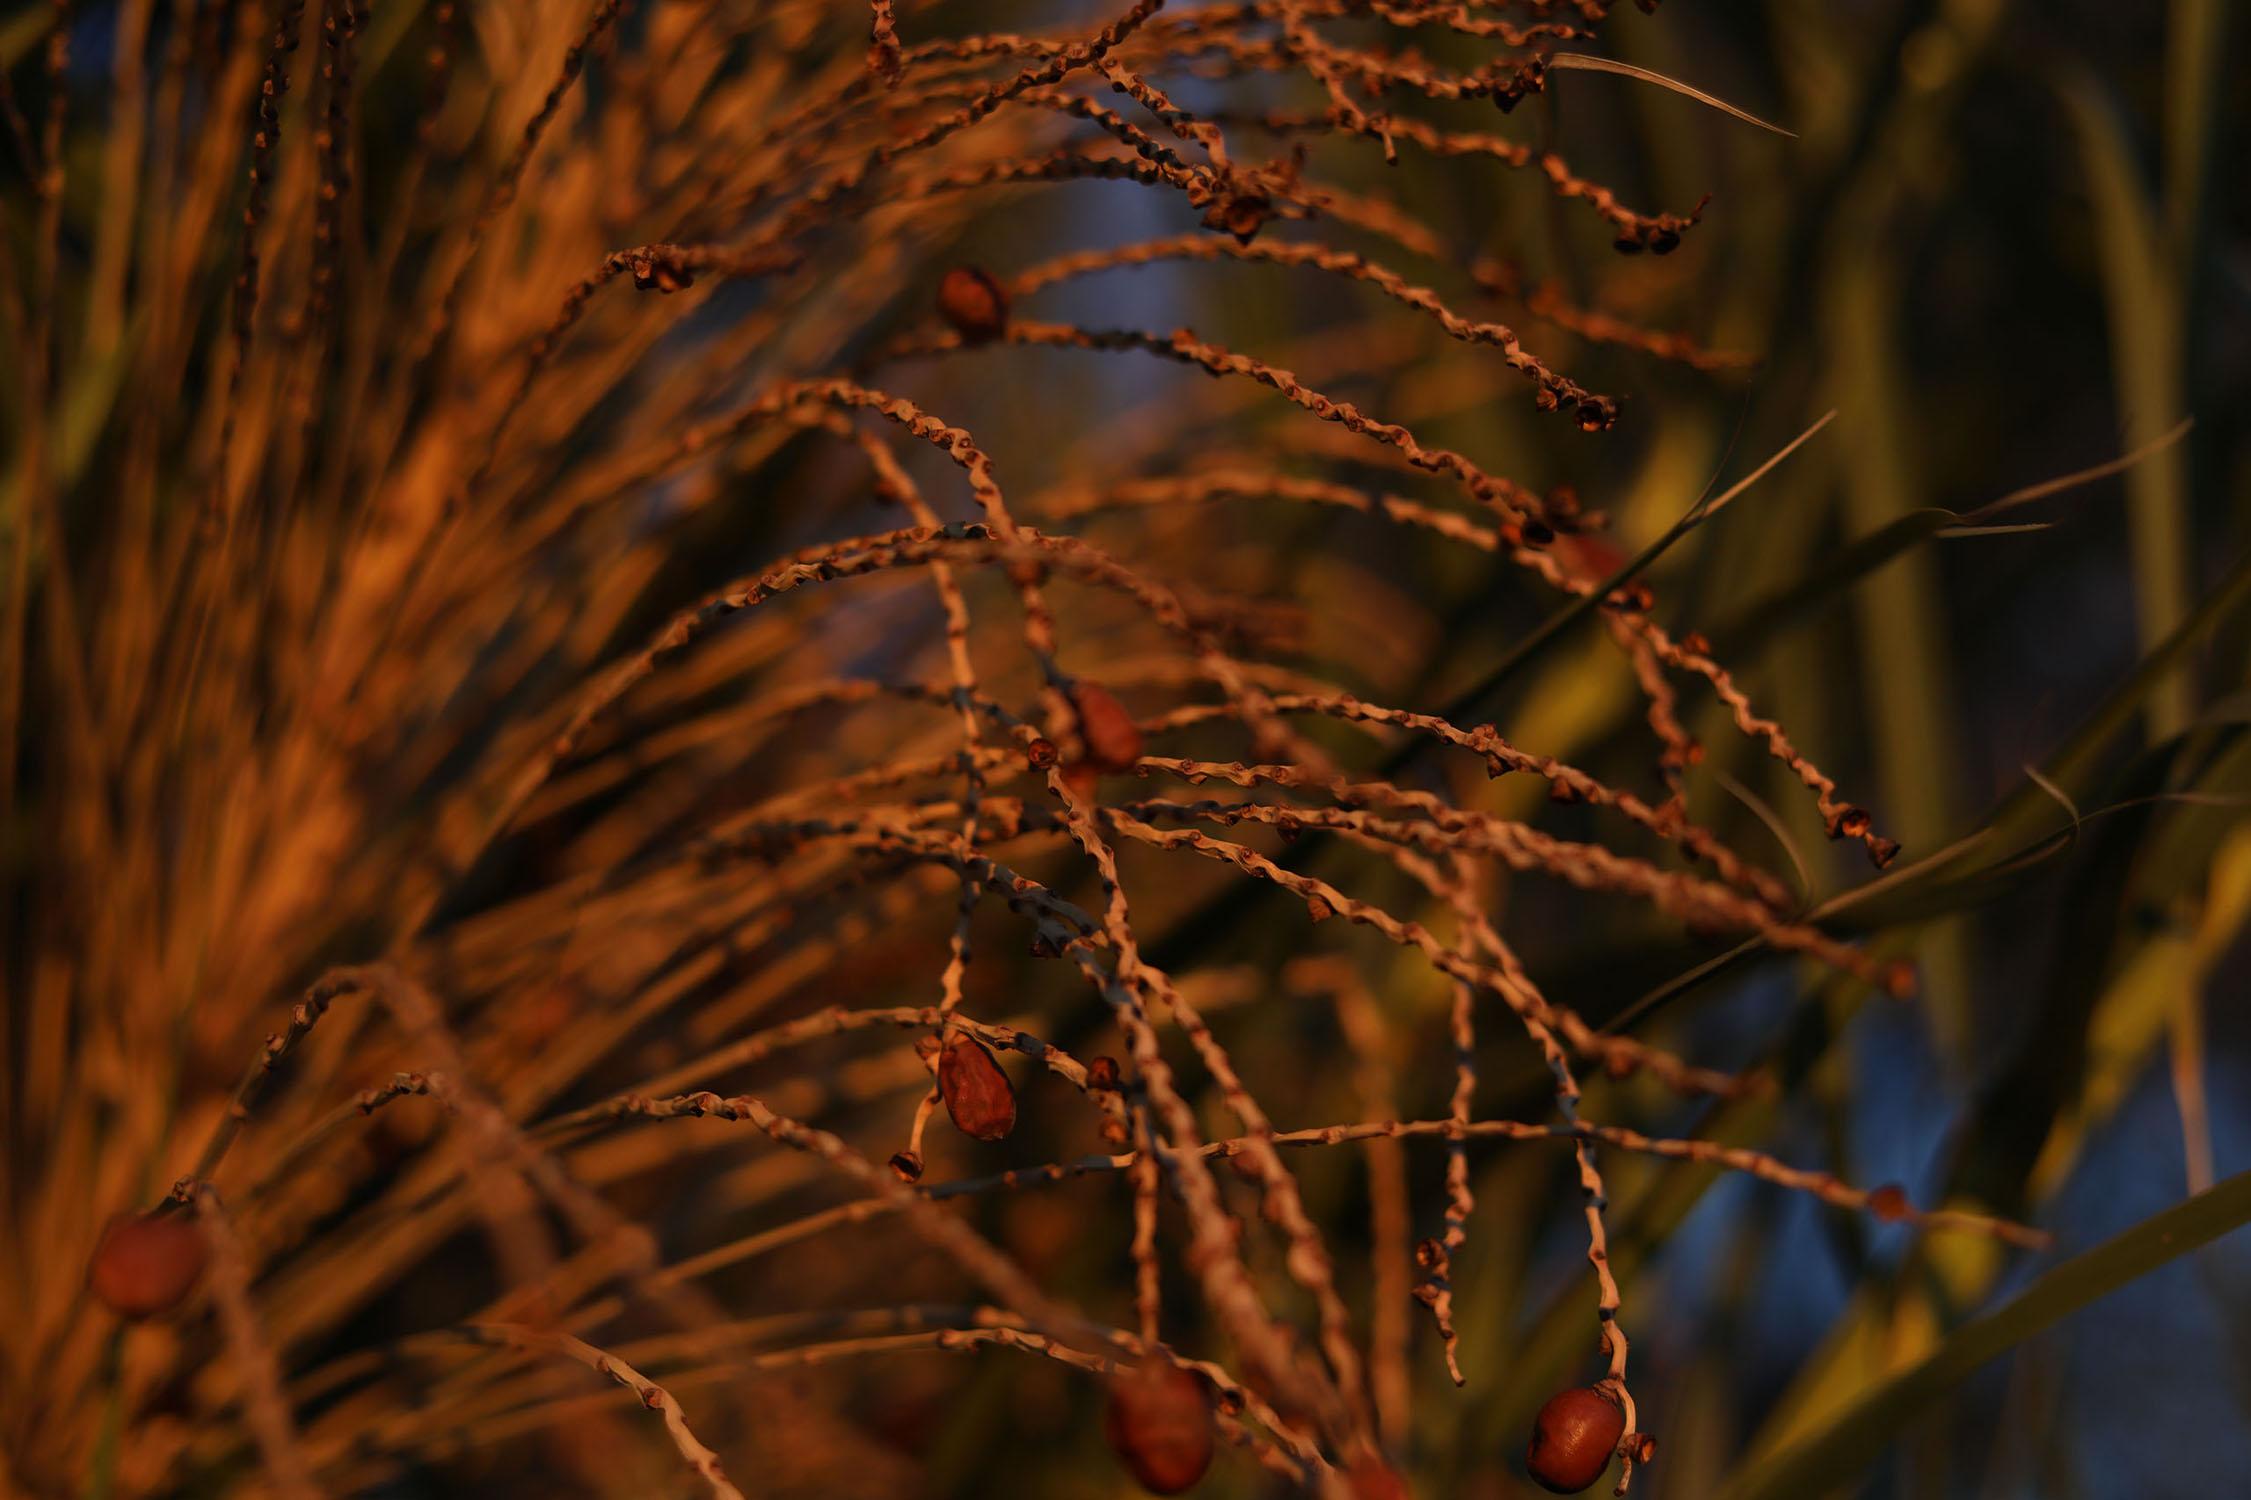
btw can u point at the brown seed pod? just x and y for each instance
(1239, 214)
(1159, 1421)
(1596, 413)
(974, 303)
(147, 1264)
(1040, 754)
(1573, 1438)
(1113, 740)
(1587, 557)
(977, 1092)
(1890, 1204)
(1373, 1479)
(1102, 1073)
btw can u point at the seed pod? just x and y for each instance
(976, 1091)
(1113, 740)
(1587, 557)
(1159, 1421)
(1890, 1204)
(974, 303)
(1373, 1479)
(1573, 1438)
(147, 1264)
(1102, 1073)
(1239, 214)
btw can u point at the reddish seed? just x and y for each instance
(1373, 1479)
(974, 303)
(1113, 740)
(147, 1264)
(1587, 557)
(1889, 1203)
(1040, 754)
(1102, 1073)
(908, 1165)
(1572, 1440)
(976, 1091)
(1159, 1422)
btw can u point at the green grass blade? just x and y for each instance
(1831, 1457)
(2142, 294)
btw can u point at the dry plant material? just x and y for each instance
(1573, 1438)
(1113, 741)
(978, 1095)
(1159, 1421)
(974, 304)
(436, 668)
(147, 1264)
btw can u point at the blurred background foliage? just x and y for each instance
(2005, 242)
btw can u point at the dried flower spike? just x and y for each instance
(662, 274)
(974, 303)
(1159, 1421)
(147, 1264)
(1113, 740)
(1573, 1438)
(977, 1092)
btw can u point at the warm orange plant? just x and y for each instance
(534, 594)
